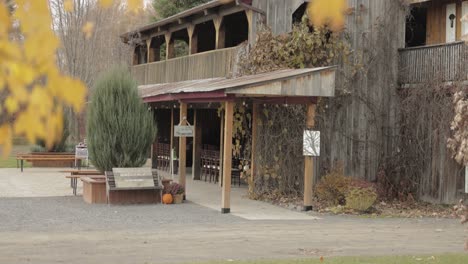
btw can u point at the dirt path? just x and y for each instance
(176, 243)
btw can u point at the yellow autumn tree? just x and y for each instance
(33, 91)
(327, 12)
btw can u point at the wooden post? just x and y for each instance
(220, 33)
(249, 14)
(169, 46)
(172, 139)
(309, 163)
(135, 55)
(182, 147)
(197, 141)
(221, 148)
(227, 158)
(254, 139)
(193, 39)
(148, 48)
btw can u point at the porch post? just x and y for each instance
(249, 14)
(172, 139)
(197, 140)
(169, 46)
(193, 40)
(227, 158)
(182, 148)
(309, 162)
(221, 148)
(148, 48)
(253, 149)
(220, 33)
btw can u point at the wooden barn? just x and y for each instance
(401, 46)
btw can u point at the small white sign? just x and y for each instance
(311, 143)
(466, 179)
(183, 131)
(81, 152)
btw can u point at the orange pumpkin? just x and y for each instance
(167, 198)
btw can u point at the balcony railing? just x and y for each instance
(211, 64)
(444, 63)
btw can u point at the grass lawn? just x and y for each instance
(438, 259)
(10, 162)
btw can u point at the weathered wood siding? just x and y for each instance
(278, 14)
(442, 62)
(211, 64)
(443, 180)
(357, 129)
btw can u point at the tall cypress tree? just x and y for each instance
(120, 127)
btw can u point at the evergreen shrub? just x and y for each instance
(120, 128)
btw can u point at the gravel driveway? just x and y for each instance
(66, 230)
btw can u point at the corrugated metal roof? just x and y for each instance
(186, 13)
(217, 84)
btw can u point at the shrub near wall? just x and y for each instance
(120, 127)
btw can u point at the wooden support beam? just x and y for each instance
(197, 143)
(249, 14)
(135, 55)
(193, 39)
(309, 162)
(170, 51)
(148, 48)
(172, 135)
(221, 148)
(183, 148)
(220, 32)
(253, 164)
(227, 158)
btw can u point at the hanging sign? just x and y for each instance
(183, 131)
(311, 143)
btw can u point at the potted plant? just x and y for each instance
(177, 191)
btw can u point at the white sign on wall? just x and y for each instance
(311, 143)
(451, 23)
(466, 179)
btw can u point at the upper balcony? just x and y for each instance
(440, 63)
(434, 50)
(195, 44)
(210, 64)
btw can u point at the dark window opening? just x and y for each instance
(299, 14)
(237, 29)
(206, 40)
(181, 43)
(416, 26)
(141, 55)
(157, 44)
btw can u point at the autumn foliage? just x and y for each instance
(33, 90)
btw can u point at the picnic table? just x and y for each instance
(78, 174)
(46, 157)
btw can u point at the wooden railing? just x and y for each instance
(444, 63)
(211, 64)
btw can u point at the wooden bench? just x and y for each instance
(133, 186)
(78, 174)
(33, 157)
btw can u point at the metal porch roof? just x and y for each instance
(316, 82)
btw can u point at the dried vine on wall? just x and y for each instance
(279, 157)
